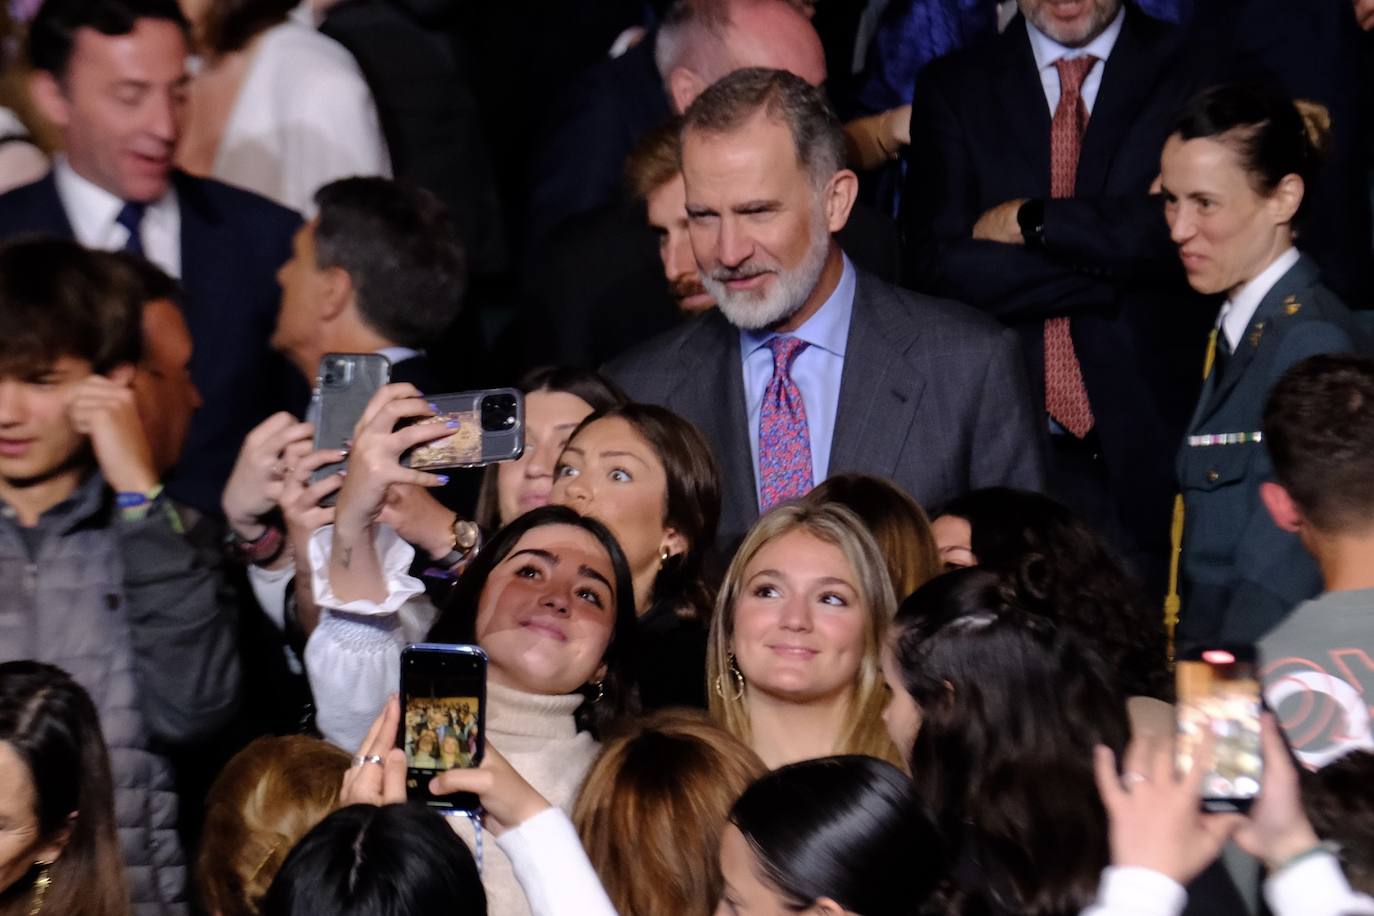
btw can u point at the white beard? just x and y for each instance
(752, 310)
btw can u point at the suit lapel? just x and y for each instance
(1025, 116)
(1300, 276)
(50, 216)
(879, 389)
(1127, 80)
(710, 391)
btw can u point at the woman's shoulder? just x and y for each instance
(294, 47)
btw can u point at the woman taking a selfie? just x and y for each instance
(1234, 174)
(793, 664)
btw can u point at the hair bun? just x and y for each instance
(1316, 124)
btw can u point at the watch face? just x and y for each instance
(465, 535)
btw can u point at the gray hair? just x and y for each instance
(690, 25)
(803, 108)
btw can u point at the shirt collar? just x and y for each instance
(91, 209)
(827, 329)
(1046, 50)
(1238, 311)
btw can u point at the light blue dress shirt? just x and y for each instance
(816, 372)
(1046, 51)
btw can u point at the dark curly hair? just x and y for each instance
(1064, 570)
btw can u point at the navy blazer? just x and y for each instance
(232, 244)
(932, 396)
(981, 136)
(1241, 573)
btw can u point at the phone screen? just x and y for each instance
(1219, 690)
(443, 717)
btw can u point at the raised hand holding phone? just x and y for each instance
(255, 485)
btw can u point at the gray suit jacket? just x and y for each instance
(933, 396)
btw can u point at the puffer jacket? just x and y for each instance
(131, 612)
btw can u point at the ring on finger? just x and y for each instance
(367, 758)
(1131, 777)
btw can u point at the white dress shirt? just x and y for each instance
(1237, 312)
(1046, 51)
(304, 117)
(92, 210)
(816, 371)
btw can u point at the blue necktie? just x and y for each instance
(131, 218)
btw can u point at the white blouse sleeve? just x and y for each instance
(353, 658)
(1315, 886)
(553, 869)
(1132, 891)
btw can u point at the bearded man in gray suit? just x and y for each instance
(809, 367)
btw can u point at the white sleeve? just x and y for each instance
(1314, 886)
(552, 867)
(353, 658)
(269, 587)
(1133, 891)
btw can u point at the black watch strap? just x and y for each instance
(1030, 216)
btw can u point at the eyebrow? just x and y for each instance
(622, 454)
(826, 580)
(535, 551)
(757, 206)
(593, 574)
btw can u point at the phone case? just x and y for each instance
(344, 385)
(491, 428)
(443, 707)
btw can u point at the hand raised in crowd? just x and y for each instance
(374, 460)
(301, 499)
(1155, 819)
(105, 411)
(419, 518)
(506, 797)
(1277, 828)
(260, 472)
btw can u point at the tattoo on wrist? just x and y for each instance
(347, 556)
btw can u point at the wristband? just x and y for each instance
(134, 507)
(262, 550)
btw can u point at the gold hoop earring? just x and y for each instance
(736, 675)
(40, 888)
(600, 690)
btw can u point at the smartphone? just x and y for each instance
(443, 717)
(343, 386)
(1219, 691)
(490, 428)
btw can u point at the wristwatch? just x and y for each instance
(1030, 216)
(466, 537)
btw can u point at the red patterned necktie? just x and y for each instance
(784, 438)
(1066, 399)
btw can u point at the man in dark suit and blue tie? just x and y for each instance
(810, 367)
(111, 74)
(1028, 197)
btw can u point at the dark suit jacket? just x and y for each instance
(232, 243)
(932, 395)
(982, 137)
(1241, 573)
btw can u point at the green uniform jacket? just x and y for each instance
(1241, 574)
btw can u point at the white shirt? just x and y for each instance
(1314, 886)
(92, 210)
(1237, 312)
(304, 117)
(817, 371)
(553, 868)
(1046, 51)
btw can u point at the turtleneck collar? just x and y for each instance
(532, 715)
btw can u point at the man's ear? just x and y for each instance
(840, 194)
(684, 86)
(1286, 198)
(1282, 509)
(123, 374)
(47, 96)
(336, 293)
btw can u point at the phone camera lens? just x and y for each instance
(498, 412)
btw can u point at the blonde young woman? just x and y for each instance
(793, 664)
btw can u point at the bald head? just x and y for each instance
(704, 40)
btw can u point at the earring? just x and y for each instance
(40, 888)
(737, 676)
(600, 690)
(663, 556)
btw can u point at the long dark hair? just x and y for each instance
(395, 860)
(1065, 571)
(1272, 134)
(1011, 708)
(849, 828)
(595, 389)
(458, 620)
(692, 505)
(52, 725)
